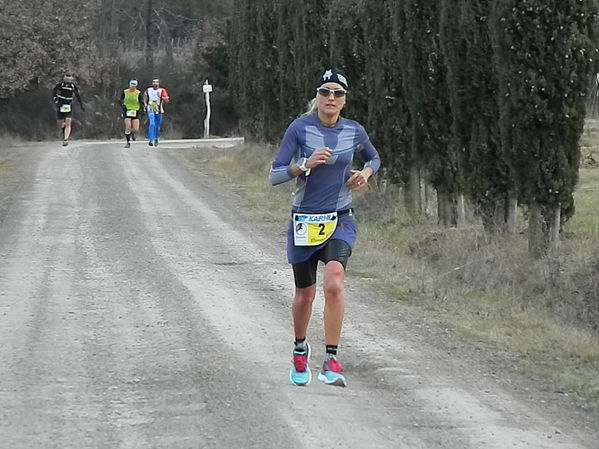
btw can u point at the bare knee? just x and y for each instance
(305, 296)
(333, 280)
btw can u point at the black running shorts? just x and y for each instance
(305, 272)
(63, 115)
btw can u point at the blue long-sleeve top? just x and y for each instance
(324, 189)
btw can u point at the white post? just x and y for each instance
(207, 88)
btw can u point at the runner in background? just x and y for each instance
(155, 97)
(133, 105)
(62, 95)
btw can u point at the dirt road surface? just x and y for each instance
(140, 307)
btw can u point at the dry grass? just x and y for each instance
(8, 141)
(488, 292)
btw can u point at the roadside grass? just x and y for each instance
(9, 140)
(487, 292)
(586, 220)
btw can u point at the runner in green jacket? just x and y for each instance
(133, 106)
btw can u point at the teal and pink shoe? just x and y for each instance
(331, 373)
(300, 373)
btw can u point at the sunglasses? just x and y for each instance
(326, 92)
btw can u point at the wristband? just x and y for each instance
(301, 164)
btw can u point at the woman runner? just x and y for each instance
(318, 151)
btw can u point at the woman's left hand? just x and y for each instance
(357, 179)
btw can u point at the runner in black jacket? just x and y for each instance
(63, 94)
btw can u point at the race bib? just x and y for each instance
(313, 229)
(154, 106)
(131, 113)
(65, 108)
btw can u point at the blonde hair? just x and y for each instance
(312, 107)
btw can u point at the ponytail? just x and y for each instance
(312, 107)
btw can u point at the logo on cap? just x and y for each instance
(333, 76)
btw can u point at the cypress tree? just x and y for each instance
(545, 54)
(361, 44)
(253, 56)
(240, 44)
(277, 50)
(290, 98)
(310, 49)
(347, 52)
(264, 76)
(387, 119)
(473, 88)
(233, 39)
(425, 89)
(403, 56)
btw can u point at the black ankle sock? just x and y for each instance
(128, 137)
(331, 350)
(300, 343)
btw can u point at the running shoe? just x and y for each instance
(133, 137)
(150, 143)
(65, 142)
(155, 142)
(331, 373)
(127, 145)
(300, 371)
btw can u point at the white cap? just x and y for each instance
(133, 83)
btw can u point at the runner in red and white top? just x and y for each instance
(154, 97)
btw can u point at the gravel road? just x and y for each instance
(141, 307)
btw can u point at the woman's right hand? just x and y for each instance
(319, 157)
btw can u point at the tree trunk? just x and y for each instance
(535, 231)
(543, 230)
(460, 210)
(511, 215)
(443, 207)
(382, 180)
(553, 220)
(149, 37)
(447, 208)
(493, 218)
(412, 195)
(429, 199)
(500, 219)
(167, 39)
